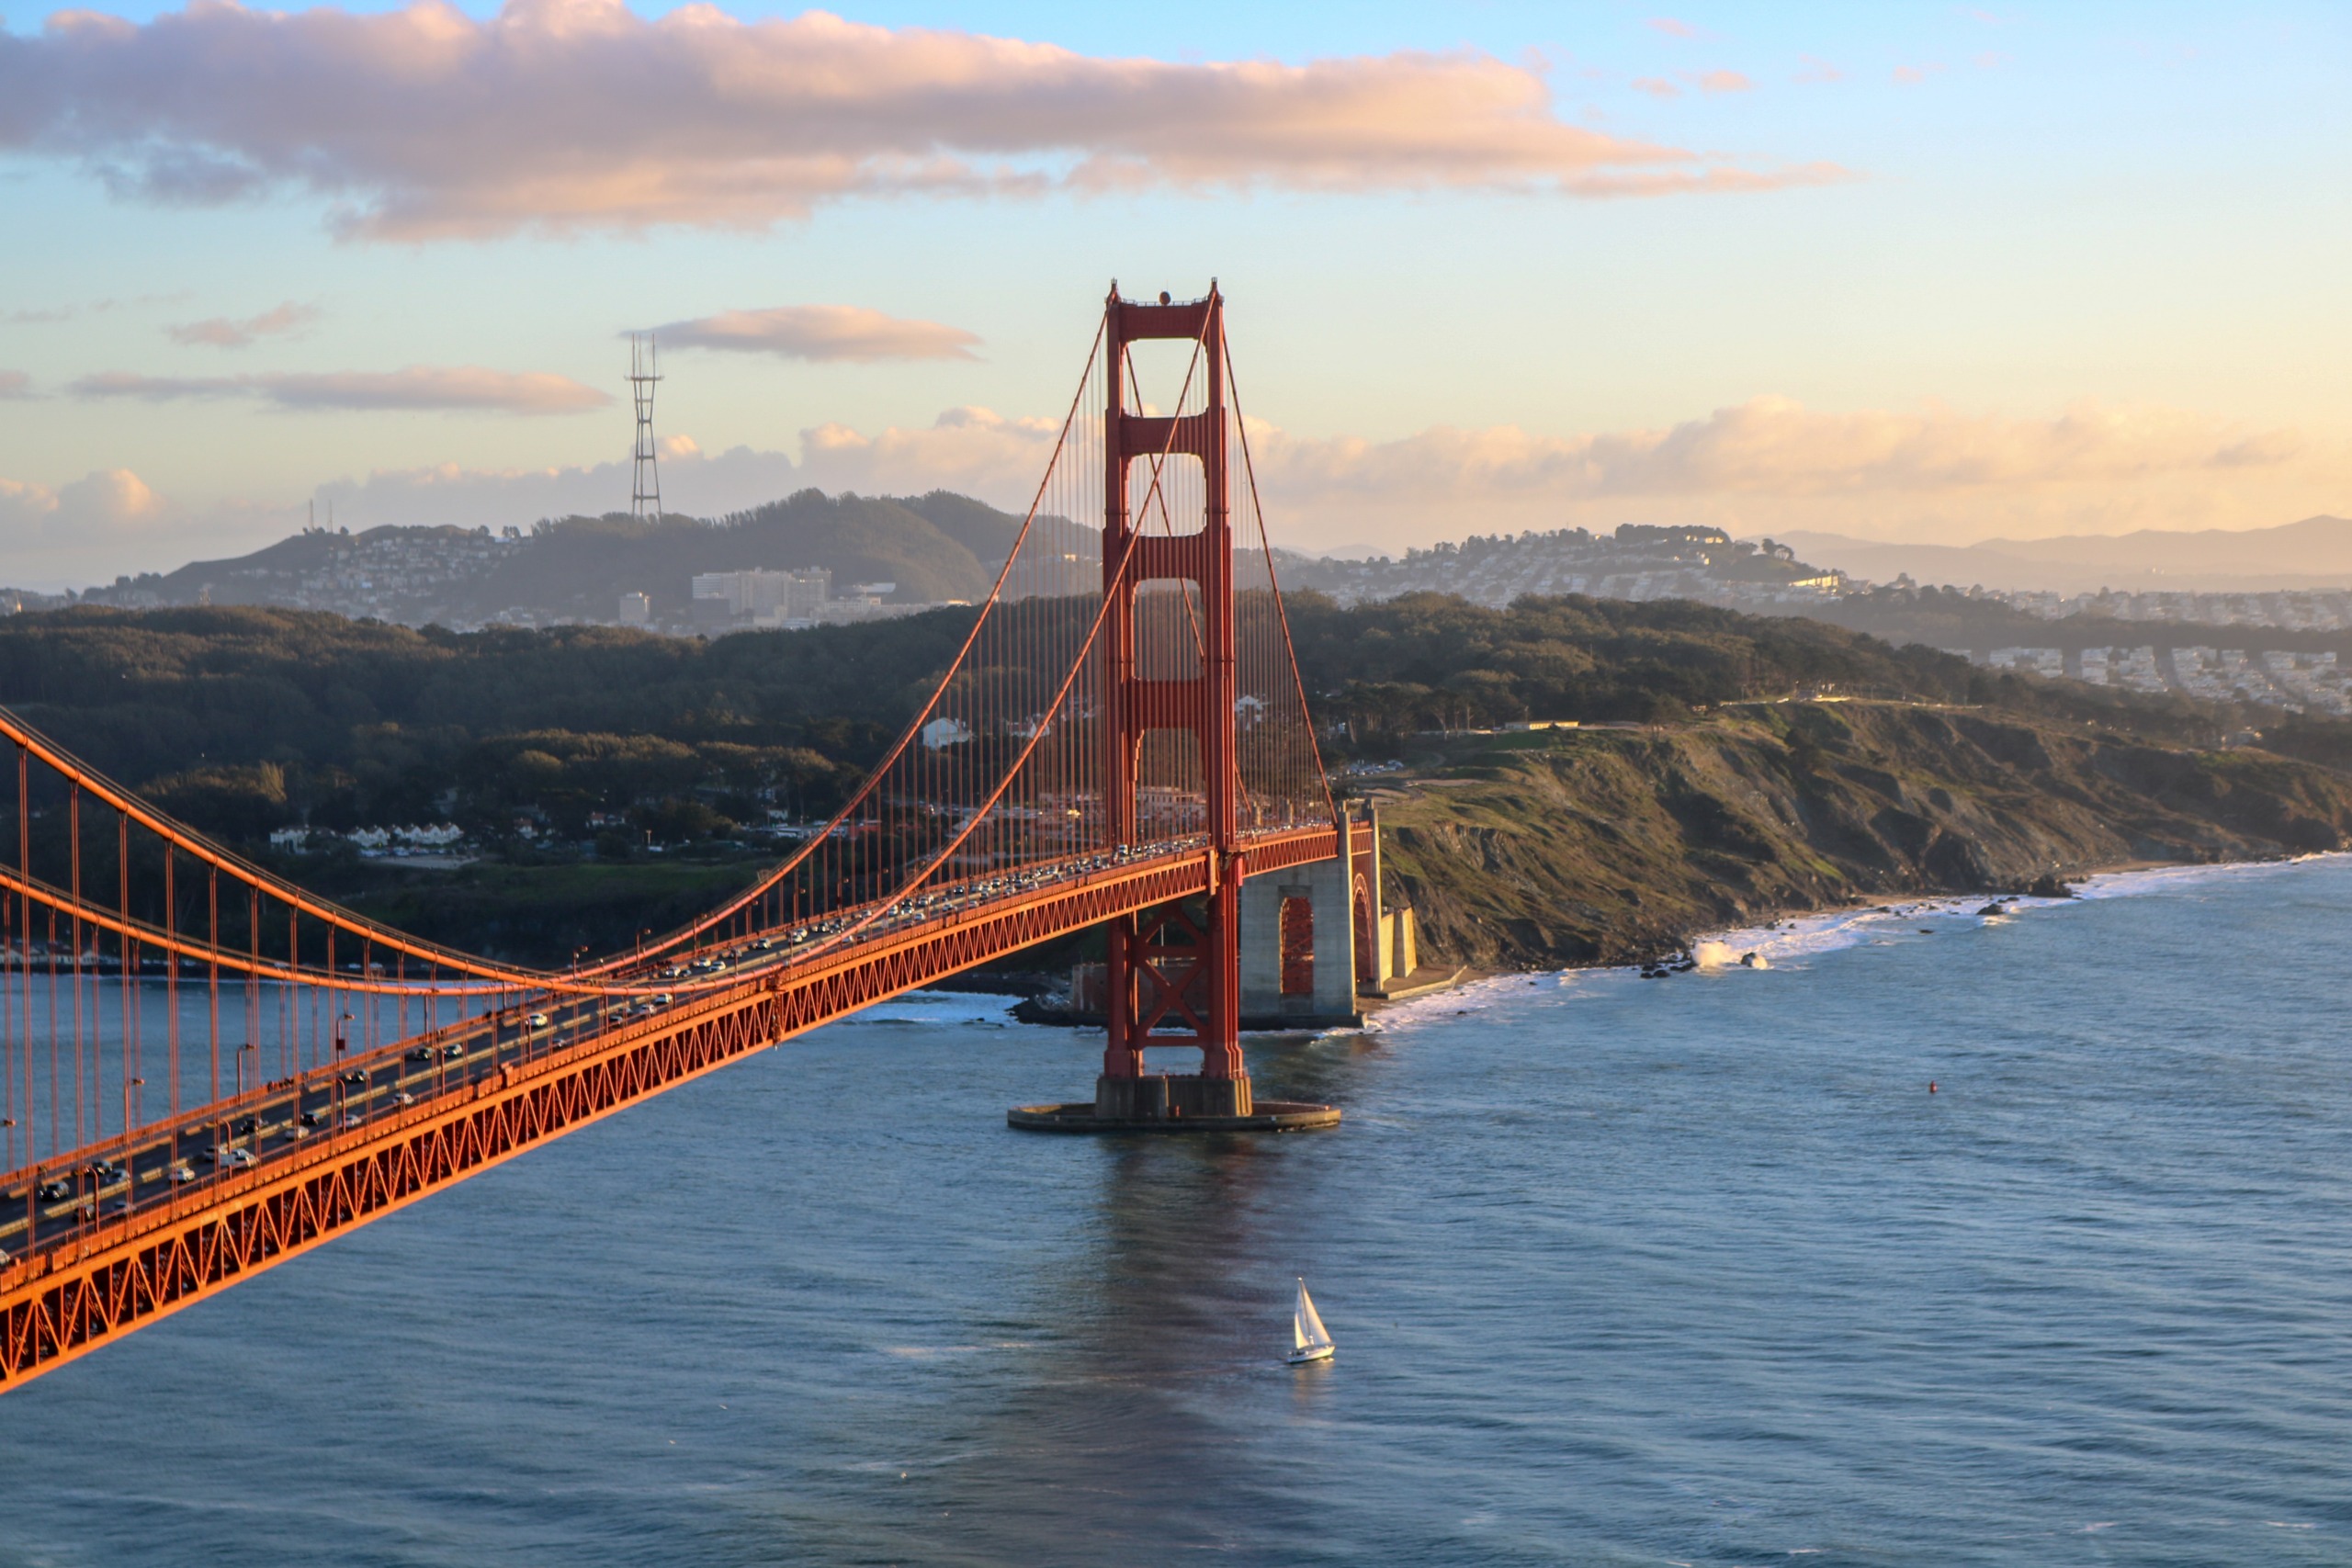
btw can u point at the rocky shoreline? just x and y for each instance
(1625, 847)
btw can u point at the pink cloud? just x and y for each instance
(1723, 81)
(1909, 73)
(1818, 71)
(1769, 464)
(419, 387)
(1671, 27)
(110, 499)
(821, 333)
(220, 332)
(1657, 87)
(424, 123)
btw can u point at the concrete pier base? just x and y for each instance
(1173, 1102)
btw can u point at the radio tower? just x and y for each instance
(644, 370)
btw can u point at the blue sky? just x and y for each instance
(2138, 211)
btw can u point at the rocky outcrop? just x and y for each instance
(1602, 846)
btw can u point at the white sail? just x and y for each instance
(1307, 1329)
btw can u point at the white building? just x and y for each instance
(768, 598)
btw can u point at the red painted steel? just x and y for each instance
(1117, 742)
(1148, 988)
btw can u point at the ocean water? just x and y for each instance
(1693, 1271)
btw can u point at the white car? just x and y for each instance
(403, 1098)
(234, 1157)
(180, 1174)
(536, 1021)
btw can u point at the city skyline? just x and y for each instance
(1929, 273)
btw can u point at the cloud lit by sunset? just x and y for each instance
(1904, 275)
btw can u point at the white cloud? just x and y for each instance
(100, 525)
(1766, 466)
(1768, 463)
(467, 388)
(821, 333)
(424, 123)
(220, 332)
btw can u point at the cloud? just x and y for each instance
(15, 384)
(693, 482)
(1768, 463)
(1657, 87)
(420, 387)
(1671, 27)
(1817, 70)
(53, 538)
(1909, 73)
(430, 386)
(821, 333)
(1772, 446)
(1723, 81)
(423, 122)
(154, 389)
(220, 332)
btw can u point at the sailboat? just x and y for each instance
(1310, 1341)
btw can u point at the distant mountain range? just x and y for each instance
(925, 549)
(944, 547)
(2312, 554)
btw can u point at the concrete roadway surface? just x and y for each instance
(52, 1201)
(179, 1157)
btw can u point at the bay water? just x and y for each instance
(1693, 1271)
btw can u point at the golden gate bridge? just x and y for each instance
(206, 1070)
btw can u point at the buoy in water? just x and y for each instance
(1932, 1086)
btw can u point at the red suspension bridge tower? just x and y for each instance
(206, 1070)
(1174, 978)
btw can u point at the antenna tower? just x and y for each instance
(645, 487)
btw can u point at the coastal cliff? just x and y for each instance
(1602, 846)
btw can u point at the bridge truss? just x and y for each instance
(206, 1070)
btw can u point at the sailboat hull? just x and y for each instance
(1311, 1353)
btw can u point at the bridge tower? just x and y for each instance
(1171, 979)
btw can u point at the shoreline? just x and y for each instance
(1802, 933)
(1754, 936)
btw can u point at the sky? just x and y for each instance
(1912, 271)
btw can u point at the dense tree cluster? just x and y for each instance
(243, 719)
(1429, 661)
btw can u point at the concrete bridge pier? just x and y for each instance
(1299, 944)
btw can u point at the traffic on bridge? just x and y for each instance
(206, 1070)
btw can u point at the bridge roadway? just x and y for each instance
(126, 1231)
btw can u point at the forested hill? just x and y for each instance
(247, 719)
(933, 548)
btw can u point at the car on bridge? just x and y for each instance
(56, 1187)
(420, 1054)
(536, 1021)
(357, 1076)
(180, 1174)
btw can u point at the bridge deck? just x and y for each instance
(322, 1154)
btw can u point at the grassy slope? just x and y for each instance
(1600, 846)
